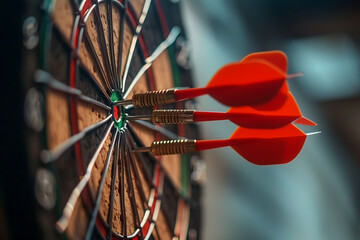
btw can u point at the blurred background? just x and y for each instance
(317, 195)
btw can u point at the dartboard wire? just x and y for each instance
(48, 156)
(111, 39)
(44, 77)
(112, 190)
(132, 191)
(158, 165)
(147, 212)
(134, 40)
(63, 222)
(95, 211)
(131, 136)
(133, 165)
(121, 43)
(122, 187)
(133, 198)
(157, 128)
(76, 49)
(157, 203)
(101, 89)
(103, 47)
(153, 206)
(97, 60)
(145, 205)
(105, 76)
(136, 171)
(175, 31)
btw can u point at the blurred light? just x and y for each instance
(331, 66)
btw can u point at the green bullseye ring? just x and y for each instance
(118, 112)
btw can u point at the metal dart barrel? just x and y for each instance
(167, 116)
(150, 99)
(170, 147)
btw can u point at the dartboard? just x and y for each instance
(88, 181)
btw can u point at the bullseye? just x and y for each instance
(118, 112)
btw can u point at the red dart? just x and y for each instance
(262, 146)
(239, 84)
(254, 80)
(258, 146)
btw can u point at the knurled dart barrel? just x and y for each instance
(153, 98)
(172, 116)
(170, 147)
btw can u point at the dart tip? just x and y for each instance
(313, 133)
(122, 102)
(294, 75)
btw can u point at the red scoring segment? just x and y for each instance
(262, 146)
(116, 113)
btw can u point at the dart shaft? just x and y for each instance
(210, 144)
(189, 93)
(209, 116)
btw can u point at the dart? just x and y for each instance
(235, 84)
(258, 146)
(280, 111)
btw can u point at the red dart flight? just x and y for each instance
(241, 83)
